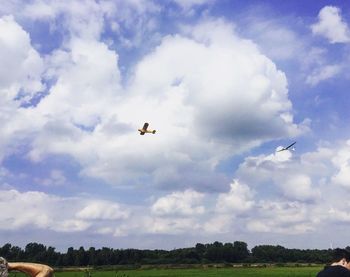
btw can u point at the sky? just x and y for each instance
(225, 84)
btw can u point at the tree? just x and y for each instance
(240, 250)
(80, 257)
(68, 258)
(35, 252)
(92, 256)
(5, 250)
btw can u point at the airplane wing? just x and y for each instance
(286, 148)
(145, 126)
(289, 146)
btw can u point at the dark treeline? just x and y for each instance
(216, 252)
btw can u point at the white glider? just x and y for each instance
(288, 147)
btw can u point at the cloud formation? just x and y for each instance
(179, 203)
(86, 113)
(238, 200)
(331, 25)
(212, 88)
(309, 196)
(323, 73)
(20, 79)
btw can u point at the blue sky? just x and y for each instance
(224, 83)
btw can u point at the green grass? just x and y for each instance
(210, 272)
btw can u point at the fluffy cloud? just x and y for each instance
(289, 176)
(331, 25)
(304, 209)
(130, 22)
(102, 210)
(43, 211)
(313, 186)
(80, 18)
(218, 224)
(323, 73)
(210, 71)
(339, 215)
(299, 186)
(56, 178)
(37, 210)
(143, 223)
(21, 64)
(179, 203)
(190, 3)
(341, 161)
(283, 217)
(20, 80)
(276, 39)
(239, 199)
(210, 95)
(31, 202)
(158, 225)
(72, 225)
(342, 176)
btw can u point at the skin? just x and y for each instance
(32, 269)
(343, 263)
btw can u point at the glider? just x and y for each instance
(144, 129)
(287, 148)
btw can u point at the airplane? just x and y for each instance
(144, 129)
(287, 148)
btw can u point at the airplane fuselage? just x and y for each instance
(143, 131)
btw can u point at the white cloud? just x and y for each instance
(323, 73)
(105, 231)
(132, 21)
(209, 93)
(313, 199)
(262, 168)
(38, 210)
(34, 209)
(179, 203)
(341, 161)
(80, 18)
(331, 25)
(102, 210)
(277, 40)
(238, 200)
(143, 224)
(158, 225)
(283, 217)
(187, 4)
(72, 225)
(56, 178)
(218, 224)
(342, 176)
(177, 88)
(299, 187)
(21, 64)
(283, 174)
(298, 193)
(20, 80)
(338, 215)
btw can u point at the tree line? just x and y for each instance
(217, 252)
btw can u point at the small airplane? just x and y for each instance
(287, 148)
(144, 129)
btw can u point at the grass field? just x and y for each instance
(211, 272)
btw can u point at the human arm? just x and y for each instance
(32, 269)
